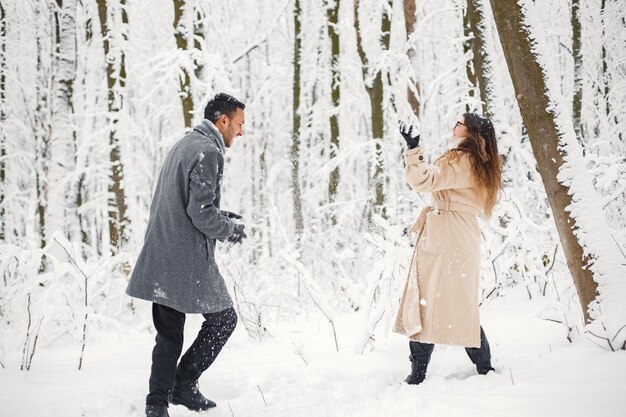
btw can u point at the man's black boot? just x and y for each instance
(153, 410)
(418, 371)
(188, 394)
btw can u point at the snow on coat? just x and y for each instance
(440, 299)
(176, 266)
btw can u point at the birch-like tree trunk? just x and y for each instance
(116, 81)
(606, 77)
(577, 50)
(332, 11)
(479, 67)
(63, 211)
(540, 121)
(181, 33)
(198, 44)
(3, 34)
(40, 119)
(78, 192)
(469, 65)
(605, 80)
(373, 79)
(296, 124)
(263, 198)
(413, 92)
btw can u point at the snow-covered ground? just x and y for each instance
(297, 372)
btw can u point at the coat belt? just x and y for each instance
(445, 205)
(448, 205)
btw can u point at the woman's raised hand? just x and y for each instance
(410, 135)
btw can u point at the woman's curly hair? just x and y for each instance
(486, 163)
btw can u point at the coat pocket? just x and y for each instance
(435, 233)
(210, 248)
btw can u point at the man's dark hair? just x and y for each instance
(222, 103)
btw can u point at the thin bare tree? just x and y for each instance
(40, 119)
(607, 89)
(79, 190)
(296, 121)
(63, 213)
(479, 66)
(115, 58)
(181, 33)
(3, 34)
(373, 79)
(577, 50)
(332, 11)
(413, 91)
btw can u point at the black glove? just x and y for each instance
(410, 135)
(238, 235)
(230, 214)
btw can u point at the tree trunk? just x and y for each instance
(41, 124)
(409, 21)
(530, 89)
(606, 77)
(295, 144)
(2, 118)
(79, 188)
(605, 80)
(262, 198)
(198, 45)
(116, 81)
(63, 211)
(375, 92)
(480, 63)
(467, 48)
(577, 105)
(333, 31)
(184, 82)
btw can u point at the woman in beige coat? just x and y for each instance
(440, 300)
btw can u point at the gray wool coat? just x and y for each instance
(176, 266)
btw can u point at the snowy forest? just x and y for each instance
(93, 94)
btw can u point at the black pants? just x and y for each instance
(169, 324)
(480, 356)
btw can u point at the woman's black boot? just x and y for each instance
(481, 356)
(419, 357)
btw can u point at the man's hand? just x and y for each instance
(230, 214)
(410, 135)
(238, 235)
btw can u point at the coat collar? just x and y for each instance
(454, 144)
(208, 129)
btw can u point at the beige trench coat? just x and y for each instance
(440, 299)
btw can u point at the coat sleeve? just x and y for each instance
(201, 208)
(442, 175)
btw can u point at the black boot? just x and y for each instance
(419, 357)
(188, 394)
(418, 371)
(153, 410)
(481, 356)
(484, 369)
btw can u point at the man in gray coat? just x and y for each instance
(176, 268)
